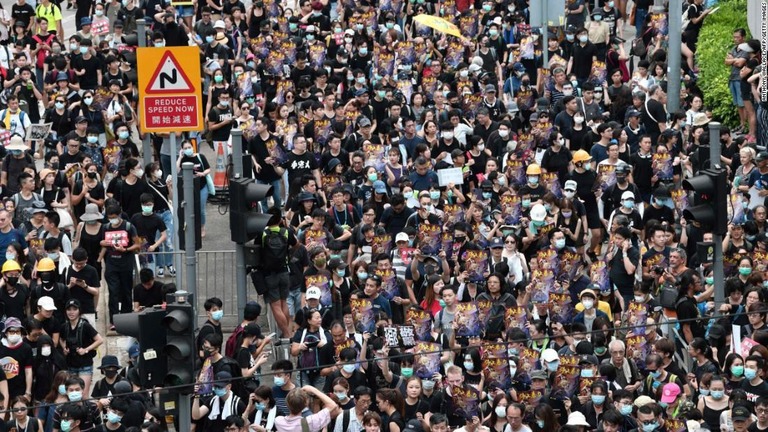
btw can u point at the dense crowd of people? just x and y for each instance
(472, 232)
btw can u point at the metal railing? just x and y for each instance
(215, 278)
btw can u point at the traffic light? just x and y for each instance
(709, 202)
(245, 220)
(144, 327)
(179, 325)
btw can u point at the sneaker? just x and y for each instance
(160, 272)
(172, 271)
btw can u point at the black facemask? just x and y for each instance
(12, 280)
(92, 175)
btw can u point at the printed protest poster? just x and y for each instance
(638, 349)
(430, 238)
(467, 320)
(530, 398)
(662, 165)
(570, 264)
(496, 371)
(606, 177)
(476, 263)
(566, 382)
(528, 360)
(466, 401)
(542, 283)
(406, 254)
(551, 183)
(362, 315)
(389, 283)
(637, 316)
(598, 273)
(483, 311)
(598, 74)
(382, 244)
(321, 281)
(548, 259)
(561, 307)
(495, 350)
(680, 200)
(38, 132)
(426, 359)
(517, 316)
(315, 237)
(421, 321)
(511, 209)
(453, 213)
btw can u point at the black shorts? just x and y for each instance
(278, 285)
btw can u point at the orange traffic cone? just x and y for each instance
(220, 173)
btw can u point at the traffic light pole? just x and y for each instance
(175, 186)
(237, 172)
(146, 146)
(718, 273)
(190, 256)
(675, 47)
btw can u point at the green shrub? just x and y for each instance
(715, 40)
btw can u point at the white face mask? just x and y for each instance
(503, 133)
(588, 304)
(481, 147)
(45, 351)
(578, 120)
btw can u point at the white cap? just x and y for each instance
(628, 195)
(46, 303)
(474, 68)
(313, 293)
(219, 24)
(570, 184)
(549, 355)
(402, 237)
(576, 418)
(538, 213)
(310, 29)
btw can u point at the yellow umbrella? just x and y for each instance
(439, 24)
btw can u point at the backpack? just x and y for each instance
(309, 359)
(78, 338)
(274, 249)
(668, 296)
(238, 386)
(649, 381)
(345, 417)
(234, 341)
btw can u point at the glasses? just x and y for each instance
(570, 190)
(648, 422)
(289, 97)
(369, 214)
(509, 242)
(762, 410)
(60, 100)
(19, 409)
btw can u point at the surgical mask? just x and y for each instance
(260, 406)
(53, 255)
(83, 50)
(217, 315)
(373, 177)
(587, 166)
(219, 391)
(10, 256)
(469, 366)
(598, 399)
(158, 173)
(639, 299)
(655, 374)
(569, 37)
(59, 105)
(597, 18)
(363, 51)
(745, 271)
(279, 381)
(160, 44)
(552, 366)
(139, 172)
(310, 37)
(487, 8)
(75, 396)
(588, 304)
(362, 276)
(717, 394)
(88, 101)
(750, 374)
(559, 244)
(501, 411)
(649, 427)
(341, 273)
(406, 372)
(704, 392)
(578, 120)
(435, 195)
(46, 352)
(583, 39)
(737, 371)
(99, 12)
(147, 209)
(487, 195)
(567, 92)
(349, 368)
(123, 134)
(481, 147)
(709, 280)
(611, 4)
(567, 214)
(66, 425)
(13, 339)
(361, 80)
(540, 424)
(341, 395)
(626, 410)
(93, 139)
(441, 302)
(209, 39)
(493, 32)
(503, 133)
(408, 194)
(629, 204)
(587, 373)
(62, 388)
(464, 73)
(188, 152)
(533, 180)
(390, 25)
(224, 103)
(381, 93)
(73, 47)
(526, 203)
(428, 385)
(113, 418)
(448, 135)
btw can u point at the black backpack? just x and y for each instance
(238, 386)
(274, 251)
(668, 296)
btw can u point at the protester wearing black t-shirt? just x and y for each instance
(148, 292)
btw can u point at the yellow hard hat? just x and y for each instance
(11, 265)
(533, 169)
(581, 156)
(46, 264)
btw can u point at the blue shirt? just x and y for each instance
(11, 236)
(423, 182)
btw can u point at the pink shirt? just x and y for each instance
(292, 423)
